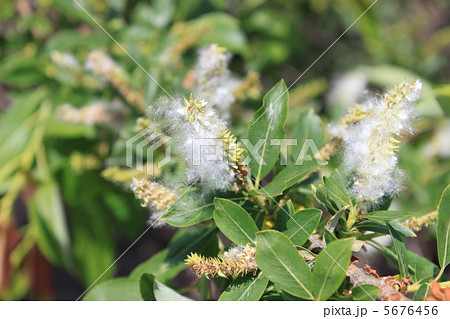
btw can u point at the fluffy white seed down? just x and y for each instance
(213, 79)
(372, 139)
(197, 140)
(241, 253)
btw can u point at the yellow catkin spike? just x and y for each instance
(238, 260)
(153, 195)
(194, 107)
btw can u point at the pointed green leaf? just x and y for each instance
(365, 293)
(284, 215)
(400, 250)
(421, 292)
(190, 209)
(443, 229)
(156, 265)
(120, 289)
(337, 193)
(302, 224)
(89, 229)
(309, 127)
(152, 290)
(223, 29)
(386, 215)
(248, 288)
(278, 258)
(47, 217)
(421, 269)
(234, 222)
(328, 236)
(334, 221)
(147, 287)
(321, 195)
(331, 266)
(379, 227)
(402, 229)
(267, 125)
(287, 177)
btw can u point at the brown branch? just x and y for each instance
(387, 285)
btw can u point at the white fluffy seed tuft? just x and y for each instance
(371, 133)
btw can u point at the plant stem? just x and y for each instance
(441, 272)
(204, 288)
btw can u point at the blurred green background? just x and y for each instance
(62, 223)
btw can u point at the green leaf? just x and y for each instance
(378, 227)
(282, 217)
(330, 268)
(126, 211)
(328, 236)
(190, 209)
(266, 126)
(321, 195)
(386, 215)
(22, 72)
(336, 192)
(120, 289)
(277, 257)
(402, 229)
(47, 217)
(309, 127)
(91, 225)
(443, 228)
(302, 224)
(152, 290)
(60, 129)
(334, 221)
(156, 265)
(248, 288)
(91, 228)
(147, 287)
(286, 178)
(234, 222)
(400, 250)
(421, 292)
(269, 22)
(20, 130)
(365, 293)
(420, 268)
(224, 30)
(70, 40)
